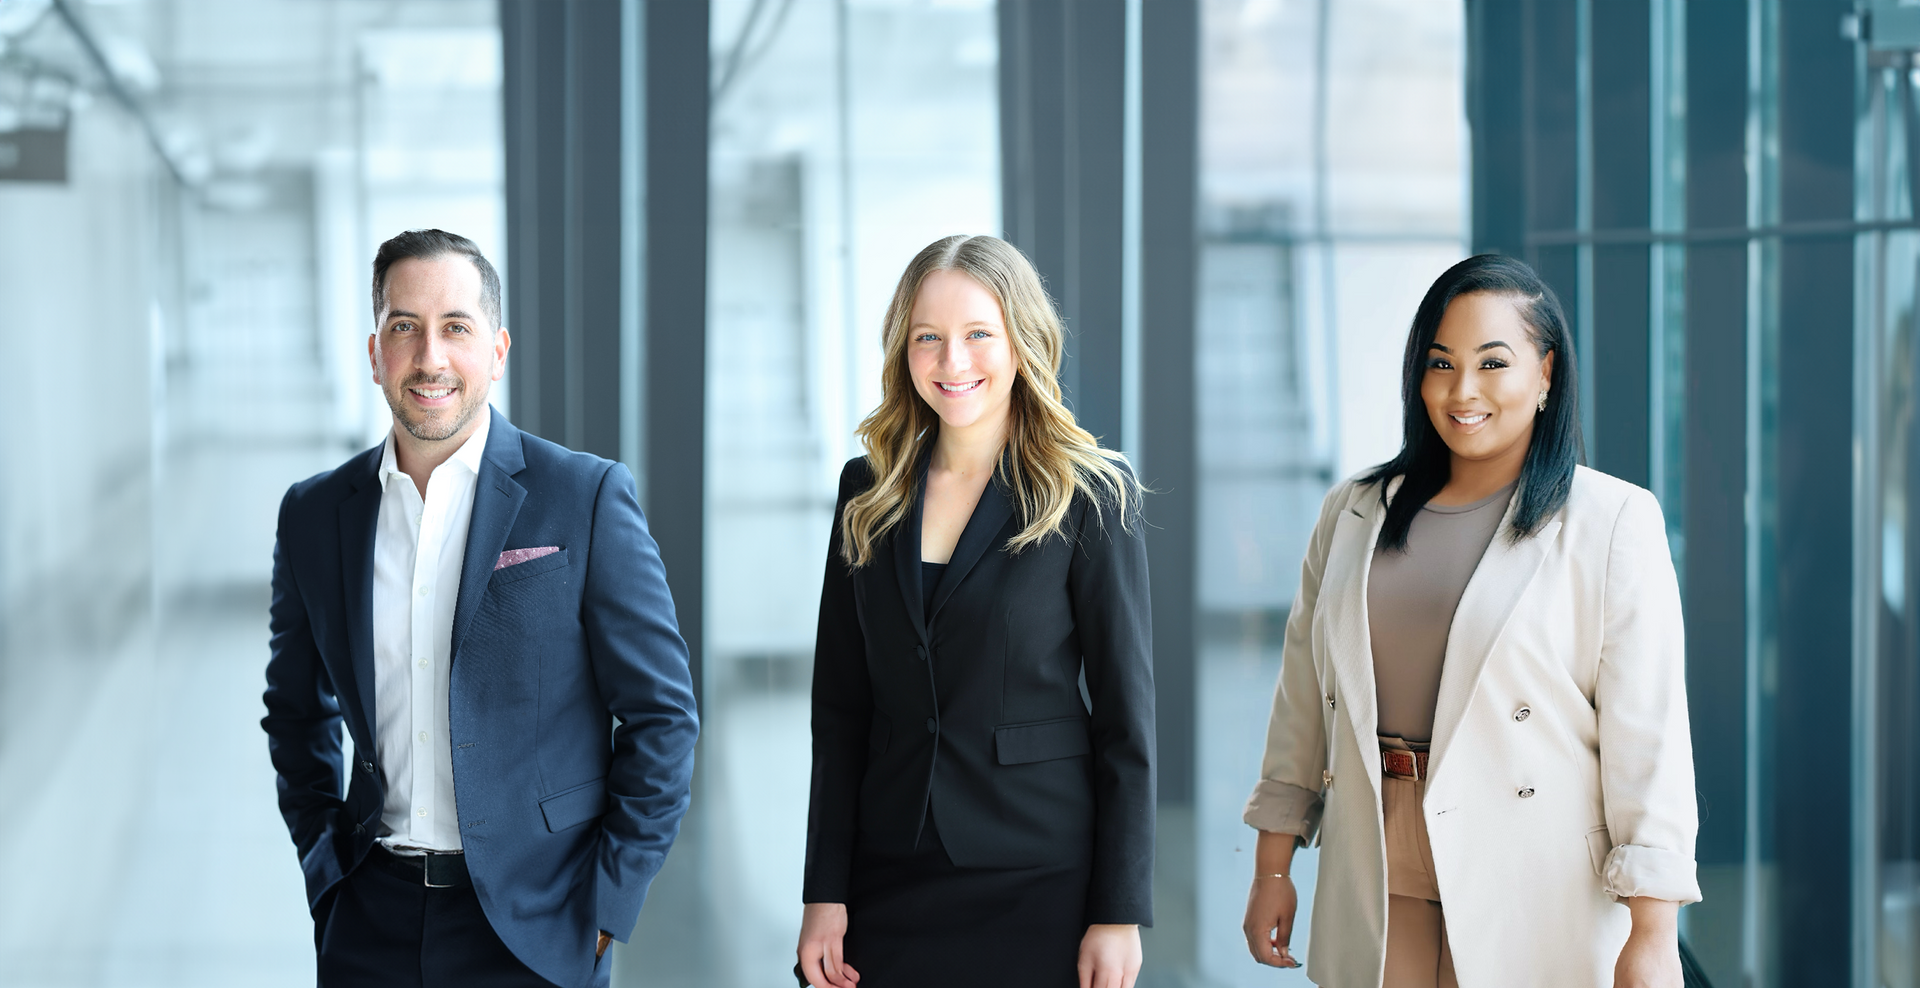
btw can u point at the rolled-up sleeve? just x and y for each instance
(1646, 751)
(1287, 799)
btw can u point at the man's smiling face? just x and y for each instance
(434, 355)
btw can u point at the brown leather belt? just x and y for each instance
(1402, 764)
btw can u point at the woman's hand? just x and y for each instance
(1651, 957)
(1110, 956)
(823, 931)
(1272, 902)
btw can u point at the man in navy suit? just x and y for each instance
(488, 615)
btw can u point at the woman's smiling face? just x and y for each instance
(958, 350)
(1484, 378)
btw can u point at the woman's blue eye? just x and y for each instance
(978, 334)
(926, 337)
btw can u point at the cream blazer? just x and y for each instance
(1561, 779)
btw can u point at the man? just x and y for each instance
(487, 613)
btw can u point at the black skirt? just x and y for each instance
(919, 921)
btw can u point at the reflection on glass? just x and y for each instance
(845, 137)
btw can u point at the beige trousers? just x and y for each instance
(1417, 951)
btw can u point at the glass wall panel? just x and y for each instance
(1331, 194)
(185, 316)
(845, 136)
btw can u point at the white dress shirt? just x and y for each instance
(418, 548)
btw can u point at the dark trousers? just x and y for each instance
(382, 931)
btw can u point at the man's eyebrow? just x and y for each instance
(393, 314)
(464, 314)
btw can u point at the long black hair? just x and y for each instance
(1546, 477)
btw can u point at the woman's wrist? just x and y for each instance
(1654, 917)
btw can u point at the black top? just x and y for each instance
(930, 574)
(987, 675)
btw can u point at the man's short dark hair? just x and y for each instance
(425, 245)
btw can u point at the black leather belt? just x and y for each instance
(435, 870)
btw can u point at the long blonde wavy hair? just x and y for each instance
(1048, 459)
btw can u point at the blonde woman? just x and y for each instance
(973, 819)
(1482, 709)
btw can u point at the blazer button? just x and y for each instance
(358, 828)
(366, 767)
(1329, 701)
(1326, 780)
(1526, 792)
(1522, 714)
(929, 725)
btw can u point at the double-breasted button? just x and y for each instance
(1526, 792)
(929, 725)
(1329, 701)
(1522, 714)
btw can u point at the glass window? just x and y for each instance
(1332, 181)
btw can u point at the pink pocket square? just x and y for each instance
(514, 557)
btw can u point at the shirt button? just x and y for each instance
(423, 590)
(929, 725)
(423, 663)
(422, 811)
(1522, 714)
(423, 737)
(1526, 792)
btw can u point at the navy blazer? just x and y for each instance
(973, 712)
(570, 707)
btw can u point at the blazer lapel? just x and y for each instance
(496, 503)
(906, 556)
(981, 534)
(1343, 591)
(1495, 590)
(359, 519)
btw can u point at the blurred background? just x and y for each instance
(700, 208)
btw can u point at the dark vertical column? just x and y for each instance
(1062, 98)
(1809, 785)
(1552, 140)
(562, 114)
(1715, 443)
(1496, 113)
(592, 263)
(1169, 179)
(1622, 186)
(534, 51)
(674, 317)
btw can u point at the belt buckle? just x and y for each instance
(426, 871)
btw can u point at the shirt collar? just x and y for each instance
(468, 455)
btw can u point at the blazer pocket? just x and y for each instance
(572, 807)
(1044, 740)
(532, 567)
(1599, 845)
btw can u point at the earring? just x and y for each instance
(1541, 405)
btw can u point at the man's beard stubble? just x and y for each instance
(425, 427)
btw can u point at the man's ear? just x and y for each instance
(502, 342)
(373, 356)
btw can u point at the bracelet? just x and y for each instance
(1276, 875)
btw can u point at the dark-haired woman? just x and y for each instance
(1481, 716)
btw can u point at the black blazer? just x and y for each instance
(976, 713)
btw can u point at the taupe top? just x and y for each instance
(1411, 597)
